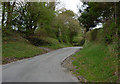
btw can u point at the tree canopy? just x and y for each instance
(96, 13)
(39, 19)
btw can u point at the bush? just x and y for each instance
(110, 30)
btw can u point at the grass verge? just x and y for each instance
(13, 51)
(96, 63)
(15, 47)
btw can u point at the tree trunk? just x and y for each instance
(3, 14)
(9, 14)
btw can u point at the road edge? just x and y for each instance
(66, 68)
(70, 56)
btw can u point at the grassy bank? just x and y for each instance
(53, 43)
(96, 63)
(15, 47)
(13, 51)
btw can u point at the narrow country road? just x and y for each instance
(42, 68)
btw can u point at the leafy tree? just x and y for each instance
(39, 19)
(32, 15)
(66, 26)
(106, 13)
(96, 13)
(8, 9)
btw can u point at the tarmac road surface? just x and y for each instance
(41, 68)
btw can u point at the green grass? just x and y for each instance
(56, 46)
(19, 50)
(15, 47)
(54, 43)
(96, 63)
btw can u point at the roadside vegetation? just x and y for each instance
(15, 47)
(26, 26)
(97, 63)
(98, 60)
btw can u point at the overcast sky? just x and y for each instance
(70, 5)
